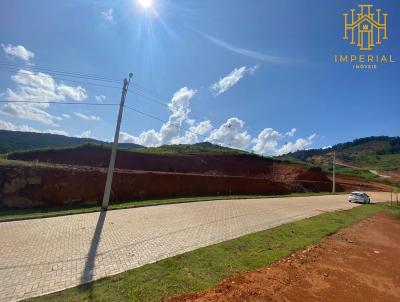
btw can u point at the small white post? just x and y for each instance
(334, 172)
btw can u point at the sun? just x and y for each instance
(145, 3)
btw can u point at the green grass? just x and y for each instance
(42, 212)
(348, 171)
(360, 173)
(181, 149)
(380, 162)
(203, 268)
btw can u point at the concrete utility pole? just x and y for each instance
(107, 190)
(334, 172)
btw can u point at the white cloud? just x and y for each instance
(75, 93)
(267, 142)
(65, 115)
(251, 53)
(31, 112)
(170, 131)
(292, 132)
(202, 127)
(180, 109)
(252, 70)
(299, 144)
(4, 125)
(191, 136)
(231, 133)
(108, 15)
(38, 87)
(150, 138)
(232, 79)
(58, 132)
(87, 117)
(100, 98)
(18, 51)
(86, 134)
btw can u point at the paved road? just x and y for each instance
(46, 255)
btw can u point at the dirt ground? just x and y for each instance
(360, 263)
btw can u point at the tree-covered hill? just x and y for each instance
(17, 141)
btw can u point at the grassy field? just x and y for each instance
(360, 173)
(42, 212)
(380, 162)
(203, 268)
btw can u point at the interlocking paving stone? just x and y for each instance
(40, 256)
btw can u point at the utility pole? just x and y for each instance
(334, 172)
(107, 190)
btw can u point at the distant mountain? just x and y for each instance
(16, 141)
(377, 155)
(12, 141)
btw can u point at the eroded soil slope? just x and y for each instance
(77, 175)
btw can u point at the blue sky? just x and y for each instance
(239, 73)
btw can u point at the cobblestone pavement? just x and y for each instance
(46, 255)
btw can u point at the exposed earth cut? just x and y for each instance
(77, 175)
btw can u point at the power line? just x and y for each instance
(126, 106)
(177, 126)
(64, 73)
(161, 103)
(148, 115)
(162, 120)
(57, 78)
(62, 103)
(141, 90)
(148, 98)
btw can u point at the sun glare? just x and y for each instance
(145, 3)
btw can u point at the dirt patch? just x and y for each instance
(394, 174)
(360, 263)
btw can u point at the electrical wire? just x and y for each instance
(178, 126)
(2, 68)
(61, 72)
(62, 103)
(136, 89)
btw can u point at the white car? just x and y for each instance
(359, 197)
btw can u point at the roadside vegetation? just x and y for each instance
(205, 267)
(43, 212)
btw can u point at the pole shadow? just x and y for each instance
(88, 272)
